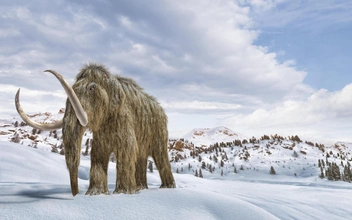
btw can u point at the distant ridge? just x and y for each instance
(207, 136)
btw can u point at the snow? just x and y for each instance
(34, 184)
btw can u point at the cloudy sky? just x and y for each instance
(255, 66)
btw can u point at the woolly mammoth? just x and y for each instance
(124, 120)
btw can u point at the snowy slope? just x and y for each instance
(34, 185)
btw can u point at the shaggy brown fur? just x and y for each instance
(125, 121)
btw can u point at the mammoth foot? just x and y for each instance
(170, 185)
(126, 191)
(142, 186)
(97, 191)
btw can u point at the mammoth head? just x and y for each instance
(88, 98)
(92, 87)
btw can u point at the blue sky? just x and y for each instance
(316, 34)
(255, 66)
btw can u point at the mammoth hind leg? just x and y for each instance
(126, 168)
(162, 163)
(141, 173)
(98, 181)
(125, 178)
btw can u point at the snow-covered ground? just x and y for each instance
(34, 184)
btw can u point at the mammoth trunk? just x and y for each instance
(74, 181)
(72, 133)
(72, 155)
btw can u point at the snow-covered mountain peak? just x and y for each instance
(206, 136)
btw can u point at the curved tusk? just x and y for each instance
(45, 127)
(76, 104)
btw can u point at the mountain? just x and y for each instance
(207, 136)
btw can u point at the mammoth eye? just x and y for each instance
(92, 87)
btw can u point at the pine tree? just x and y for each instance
(329, 174)
(150, 166)
(215, 159)
(235, 170)
(54, 149)
(86, 152)
(222, 163)
(295, 154)
(34, 131)
(176, 158)
(272, 170)
(196, 174)
(203, 165)
(16, 138)
(336, 171)
(200, 173)
(347, 173)
(321, 173)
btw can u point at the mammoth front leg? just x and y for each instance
(126, 167)
(99, 169)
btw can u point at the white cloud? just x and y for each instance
(196, 41)
(32, 101)
(125, 21)
(197, 105)
(322, 110)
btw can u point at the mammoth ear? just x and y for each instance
(118, 95)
